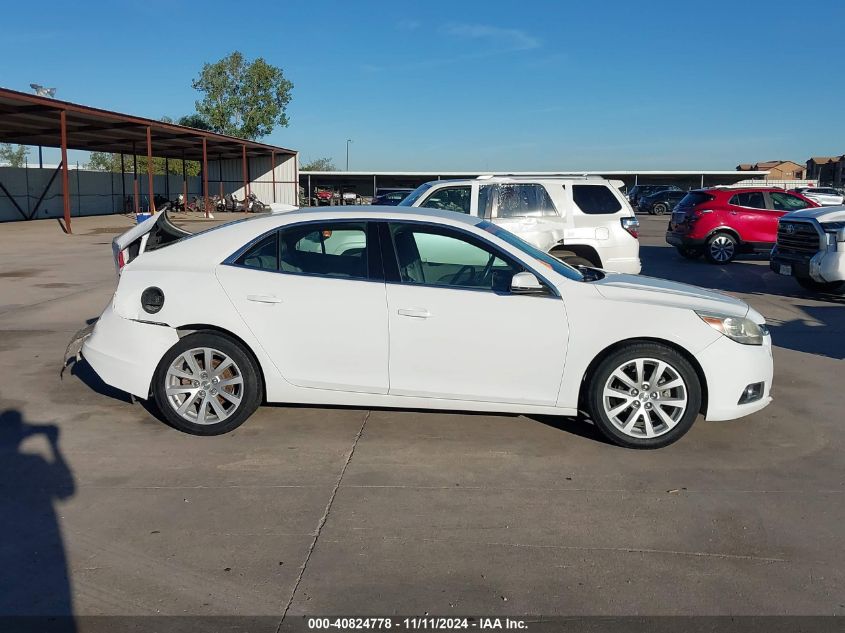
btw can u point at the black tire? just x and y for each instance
(578, 261)
(250, 391)
(819, 286)
(660, 209)
(690, 252)
(721, 248)
(676, 362)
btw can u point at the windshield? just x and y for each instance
(415, 194)
(544, 258)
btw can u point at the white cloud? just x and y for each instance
(512, 39)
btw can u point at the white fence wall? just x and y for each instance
(229, 173)
(101, 193)
(91, 192)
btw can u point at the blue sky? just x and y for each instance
(472, 85)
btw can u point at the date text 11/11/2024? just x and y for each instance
(416, 623)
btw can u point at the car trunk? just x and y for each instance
(151, 234)
(685, 209)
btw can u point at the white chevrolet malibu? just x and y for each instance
(370, 306)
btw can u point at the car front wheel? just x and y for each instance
(207, 384)
(721, 248)
(644, 396)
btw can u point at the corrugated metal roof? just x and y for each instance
(32, 120)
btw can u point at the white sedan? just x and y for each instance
(370, 306)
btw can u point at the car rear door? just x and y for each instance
(453, 335)
(313, 295)
(749, 215)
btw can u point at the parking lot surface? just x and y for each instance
(307, 510)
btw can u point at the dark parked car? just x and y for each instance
(390, 197)
(640, 191)
(660, 202)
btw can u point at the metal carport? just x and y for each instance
(39, 121)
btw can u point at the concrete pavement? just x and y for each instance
(343, 511)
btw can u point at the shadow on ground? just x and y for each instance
(34, 578)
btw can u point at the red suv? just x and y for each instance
(721, 222)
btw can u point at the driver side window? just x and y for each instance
(436, 257)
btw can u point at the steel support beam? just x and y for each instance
(150, 193)
(184, 184)
(122, 184)
(135, 191)
(205, 173)
(273, 172)
(243, 164)
(65, 183)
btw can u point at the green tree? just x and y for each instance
(15, 157)
(103, 161)
(243, 98)
(196, 121)
(318, 164)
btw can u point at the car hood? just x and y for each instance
(822, 214)
(640, 289)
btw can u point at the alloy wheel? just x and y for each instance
(204, 385)
(645, 397)
(722, 248)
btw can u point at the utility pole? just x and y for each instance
(348, 141)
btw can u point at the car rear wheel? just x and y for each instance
(819, 286)
(207, 384)
(690, 252)
(645, 396)
(660, 209)
(721, 248)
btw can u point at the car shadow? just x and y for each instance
(85, 373)
(35, 578)
(574, 425)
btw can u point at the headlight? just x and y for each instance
(739, 329)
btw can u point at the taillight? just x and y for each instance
(121, 262)
(632, 225)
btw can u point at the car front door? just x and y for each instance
(456, 330)
(313, 295)
(781, 203)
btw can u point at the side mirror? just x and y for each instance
(527, 284)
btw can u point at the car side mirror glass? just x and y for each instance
(527, 283)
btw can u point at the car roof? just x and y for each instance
(517, 179)
(376, 212)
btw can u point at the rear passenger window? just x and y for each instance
(749, 199)
(450, 198)
(524, 200)
(595, 199)
(262, 256)
(332, 249)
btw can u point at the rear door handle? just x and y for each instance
(417, 313)
(263, 298)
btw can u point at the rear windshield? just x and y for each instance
(595, 199)
(416, 194)
(694, 198)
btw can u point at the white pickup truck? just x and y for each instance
(811, 247)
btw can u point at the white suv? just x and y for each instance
(582, 220)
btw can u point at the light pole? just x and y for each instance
(348, 141)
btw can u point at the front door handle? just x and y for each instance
(264, 298)
(733, 212)
(417, 313)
